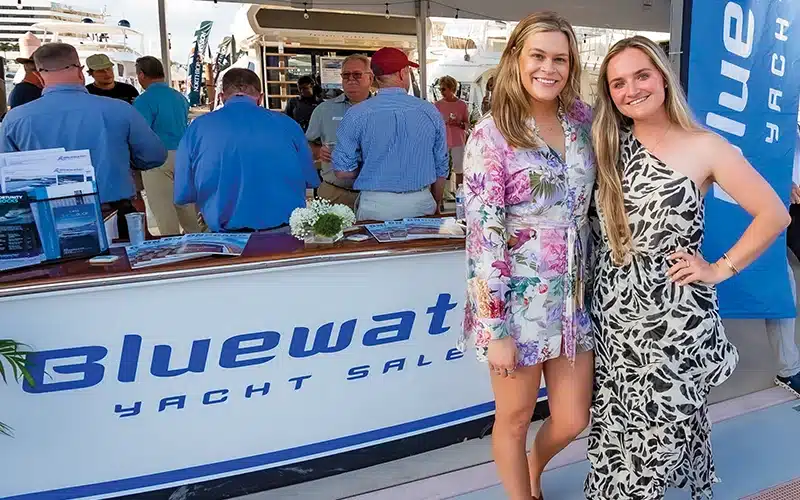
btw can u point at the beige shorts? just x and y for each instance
(457, 154)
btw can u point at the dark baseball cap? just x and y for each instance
(389, 60)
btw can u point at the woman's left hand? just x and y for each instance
(690, 268)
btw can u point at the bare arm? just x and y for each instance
(437, 190)
(744, 184)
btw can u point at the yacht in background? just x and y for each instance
(17, 19)
(122, 44)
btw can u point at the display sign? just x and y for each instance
(139, 387)
(330, 73)
(196, 63)
(743, 71)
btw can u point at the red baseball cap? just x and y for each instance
(389, 60)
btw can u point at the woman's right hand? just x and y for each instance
(502, 356)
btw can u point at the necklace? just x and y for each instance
(658, 143)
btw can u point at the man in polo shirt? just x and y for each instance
(402, 142)
(167, 112)
(66, 116)
(321, 133)
(246, 168)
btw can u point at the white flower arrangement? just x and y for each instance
(320, 218)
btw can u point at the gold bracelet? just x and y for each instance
(728, 261)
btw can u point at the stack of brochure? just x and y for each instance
(191, 246)
(415, 229)
(49, 209)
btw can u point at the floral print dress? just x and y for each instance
(526, 212)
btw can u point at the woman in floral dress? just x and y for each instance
(529, 172)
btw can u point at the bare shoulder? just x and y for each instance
(711, 147)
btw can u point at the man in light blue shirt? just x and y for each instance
(67, 116)
(402, 142)
(246, 168)
(167, 112)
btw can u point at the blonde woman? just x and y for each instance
(660, 343)
(529, 172)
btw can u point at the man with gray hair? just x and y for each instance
(246, 168)
(321, 132)
(167, 112)
(67, 116)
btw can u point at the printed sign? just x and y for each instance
(174, 382)
(744, 69)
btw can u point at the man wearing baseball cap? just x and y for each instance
(400, 143)
(30, 88)
(101, 69)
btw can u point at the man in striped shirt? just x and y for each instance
(401, 143)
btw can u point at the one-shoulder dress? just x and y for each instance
(659, 347)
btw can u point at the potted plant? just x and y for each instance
(12, 354)
(321, 222)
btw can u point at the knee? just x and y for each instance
(570, 426)
(513, 423)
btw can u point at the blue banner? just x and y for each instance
(195, 75)
(744, 83)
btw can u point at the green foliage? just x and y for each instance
(12, 357)
(328, 225)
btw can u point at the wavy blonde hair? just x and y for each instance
(607, 128)
(511, 103)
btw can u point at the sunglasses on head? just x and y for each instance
(45, 70)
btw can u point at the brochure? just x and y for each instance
(70, 220)
(179, 248)
(36, 169)
(415, 229)
(76, 226)
(20, 244)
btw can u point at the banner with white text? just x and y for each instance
(744, 83)
(196, 66)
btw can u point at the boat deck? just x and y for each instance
(756, 438)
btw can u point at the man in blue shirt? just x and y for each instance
(167, 112)
(402, 142)
(67, 116)
(245, 167)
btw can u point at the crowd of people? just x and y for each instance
(584, 223)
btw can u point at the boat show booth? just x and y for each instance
(292, 362)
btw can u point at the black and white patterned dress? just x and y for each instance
(660, 347)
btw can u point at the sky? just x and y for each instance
(183, 18)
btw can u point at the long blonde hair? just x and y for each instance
(511, 104)
(607, 128)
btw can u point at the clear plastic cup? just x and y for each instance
(135, 221)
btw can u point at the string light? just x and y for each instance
(457, 13)
(387, 11)
(305, 10)
(19, 4)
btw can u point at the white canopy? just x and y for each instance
(623, 14)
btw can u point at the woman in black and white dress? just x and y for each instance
(660, 343)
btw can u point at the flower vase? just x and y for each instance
(317, 239)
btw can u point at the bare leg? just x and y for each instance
(569, 394)
(515, 399)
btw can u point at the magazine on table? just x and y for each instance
(179, 248)
(415, 229)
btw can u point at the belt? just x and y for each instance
(574, 284)
(340, 187)
(251, 230)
